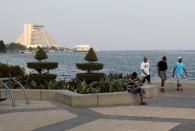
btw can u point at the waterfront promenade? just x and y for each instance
(172, 110)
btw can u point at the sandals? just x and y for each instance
(143, 103)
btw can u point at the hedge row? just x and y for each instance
(43, 77)
(42, 65)
(10, 71)
(89, 66)
(89, 77)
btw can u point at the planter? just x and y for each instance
(85, 100)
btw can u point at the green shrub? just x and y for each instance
(112, 85)
(84, 88)
(43, 77)
(89, 67)
(40, 66)
(50, 85)
(113, 75)
(91, 56)
(10, 71)
(40, 55)
(107, 85)
(127, 76)
(89, 77)
(103, 86)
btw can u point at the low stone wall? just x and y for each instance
(82, 100)
(101, 99)
(33, 94)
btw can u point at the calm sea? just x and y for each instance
(116, 61)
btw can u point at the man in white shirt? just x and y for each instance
(145, 70)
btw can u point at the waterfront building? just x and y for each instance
(81, 48)
(34, 35)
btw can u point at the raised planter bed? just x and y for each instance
(101, 99)
(81, 100)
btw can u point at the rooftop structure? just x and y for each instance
(35, 35)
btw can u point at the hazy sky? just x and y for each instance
(105, 24)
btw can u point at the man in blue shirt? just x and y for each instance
(179, 70)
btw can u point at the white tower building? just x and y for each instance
(34, 35)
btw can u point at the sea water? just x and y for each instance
(114, 61)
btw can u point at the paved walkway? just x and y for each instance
(173, 110)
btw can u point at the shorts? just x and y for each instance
(146, 78)
(179, 79)
(163, 75)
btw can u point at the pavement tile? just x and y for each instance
(124, 125)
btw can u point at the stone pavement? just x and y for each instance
(173, 110)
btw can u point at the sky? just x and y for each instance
(105, 24)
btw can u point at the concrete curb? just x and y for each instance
(101, 99)
(84, 100)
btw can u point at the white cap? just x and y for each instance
(179, 58)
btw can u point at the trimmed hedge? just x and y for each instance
(10, 71)
(91, 56)
(42, 65)
(43, 77)
(89, 66)
(40, 55)
(89, 77)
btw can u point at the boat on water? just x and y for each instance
(81, 48)
(28, 52)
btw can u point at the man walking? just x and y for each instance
(145, 70)
(179, 70)
(162, 68)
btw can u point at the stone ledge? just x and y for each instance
(33, 94)
(74, 99)
(101, 99)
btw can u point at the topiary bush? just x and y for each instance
(40, 55)
(90, 76)
(10, 71)
(42, 77)
(41, 66)
(90, 66)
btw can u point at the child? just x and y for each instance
(133, 87)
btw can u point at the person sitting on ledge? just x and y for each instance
(133, 86)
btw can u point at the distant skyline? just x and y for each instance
(105, 24)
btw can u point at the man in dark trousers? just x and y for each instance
(162, 68)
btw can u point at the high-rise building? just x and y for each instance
(34, 35)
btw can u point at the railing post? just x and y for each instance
(10, 92)
(24, 90)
